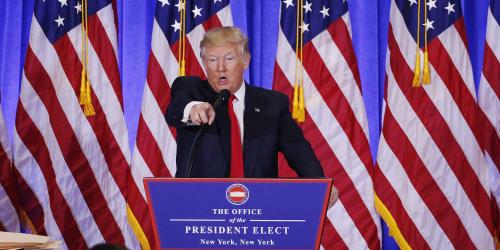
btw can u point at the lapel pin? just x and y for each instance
(257, 110)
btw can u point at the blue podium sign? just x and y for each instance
(237, 213)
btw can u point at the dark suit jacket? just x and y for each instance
(268, 129)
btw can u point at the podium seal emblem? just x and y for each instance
(237, 194)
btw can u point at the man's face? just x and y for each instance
(225, 66)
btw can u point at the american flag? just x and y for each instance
(77, 166)
(489, 94)
(155, 147)
(335, 123)
(431, 180)
(9, 219)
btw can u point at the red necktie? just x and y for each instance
(236, 148)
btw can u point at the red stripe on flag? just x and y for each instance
(193, 68)
(460, 27)
(348, 194)
(140, 210)
(116, 162)
(34, 141)
(391, 200)
(340, 34)
(115, 15)
(338, 104)
(30, 204)
(212, 21)
(158, 83)
(437, 126)
(330, 238)
(424, 183)
(104, 50)
(7, 180)
(150, 150)
(70, 147)
(491, 66)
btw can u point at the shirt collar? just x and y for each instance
(240, 94)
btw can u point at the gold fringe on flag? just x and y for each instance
(136, 227)
(182, 38)
(426, 74)
(416, 71)
(85, 94)
(425, 77)
(298, 107)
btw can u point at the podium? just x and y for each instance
(212, 213)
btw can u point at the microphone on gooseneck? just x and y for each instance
(221, 98)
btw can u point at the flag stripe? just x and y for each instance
(88, 161)
(159, 129)
(9, 204)
(67, 140)
(337, 103)
(330, 238)
(108, 85)
(104, 50)
(165, 56)
(29, 204)
(331, 94)
(434, 136)
(340, 71)
(490, 67)
(332, 167)
(453, 116)
(212, 21)
(390, 198)
(158, 83)
(193, 68)
(31, 137)
(39, 116)
(341, 35)
(35, 177)
(439, 130)
(151, 151)
(107, 18)
(424, 183)
(104, 133)
(336, 123)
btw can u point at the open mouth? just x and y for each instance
(222, 79)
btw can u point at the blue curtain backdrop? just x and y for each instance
(259, 19)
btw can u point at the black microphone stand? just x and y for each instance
(223, 96)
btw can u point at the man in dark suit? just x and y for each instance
(242, 140)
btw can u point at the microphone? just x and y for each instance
(222, 97)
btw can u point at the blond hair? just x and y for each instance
(220, 36)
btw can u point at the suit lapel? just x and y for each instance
(251, 142)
